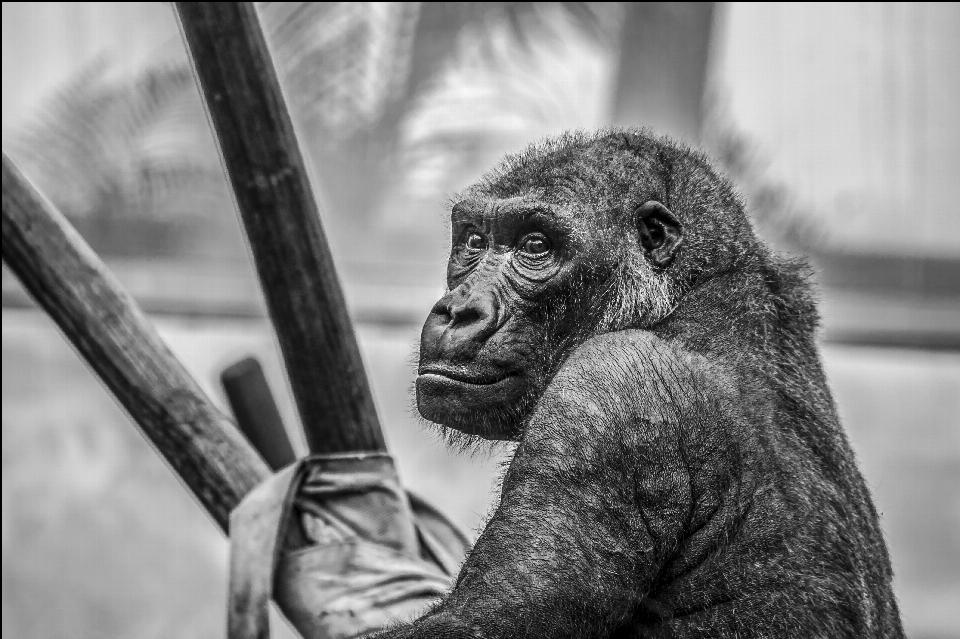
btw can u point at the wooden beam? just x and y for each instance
(103, 322)
(282, 224)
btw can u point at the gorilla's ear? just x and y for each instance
(660, 232)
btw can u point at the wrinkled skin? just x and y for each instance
(680, 469)
(485, 344)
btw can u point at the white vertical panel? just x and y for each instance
(855, 107)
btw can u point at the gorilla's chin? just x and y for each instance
(484, 410)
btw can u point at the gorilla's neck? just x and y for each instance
(761, 322)
(729, 316)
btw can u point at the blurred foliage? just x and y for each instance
(136, 152)
(396, 99)
(128, 159)
(396, 104)
(123, 146)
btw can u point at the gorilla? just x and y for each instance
(679, 470)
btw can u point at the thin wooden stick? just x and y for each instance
(256, 411)
(282, 223)
(103, 322)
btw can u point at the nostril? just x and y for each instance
(467, 311)
(463, 314)
(442, 308)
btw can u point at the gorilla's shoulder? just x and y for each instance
(639, 346)
(629, 353)
(634, 372)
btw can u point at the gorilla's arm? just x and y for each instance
(596, 498)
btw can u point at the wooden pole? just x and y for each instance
(282, 223)
(103, 322)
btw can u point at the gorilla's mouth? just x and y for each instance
(464, 375)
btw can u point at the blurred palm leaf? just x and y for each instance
(356, 75)
(501, 93)
(369, 60)
(112, 147)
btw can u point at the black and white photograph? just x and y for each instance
(481, 320)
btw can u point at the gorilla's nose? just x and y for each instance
(462, 321)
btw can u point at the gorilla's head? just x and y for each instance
(576, 236)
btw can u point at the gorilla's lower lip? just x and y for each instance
(463, 377)
(445, 396)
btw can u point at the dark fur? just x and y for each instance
(680, 471)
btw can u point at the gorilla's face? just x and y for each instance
(487, 345)
(529, 278)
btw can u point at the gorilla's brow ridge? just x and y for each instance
(513, 208)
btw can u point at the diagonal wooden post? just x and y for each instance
(103, 322)
(282, 223)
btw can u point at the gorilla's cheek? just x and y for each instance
(456, 402)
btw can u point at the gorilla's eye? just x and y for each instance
(475, 241)
(535, 244)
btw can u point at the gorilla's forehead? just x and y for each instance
(566, 201)
(555, 178)
(539, 202)
(594, 173)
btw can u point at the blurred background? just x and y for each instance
(838, 122)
